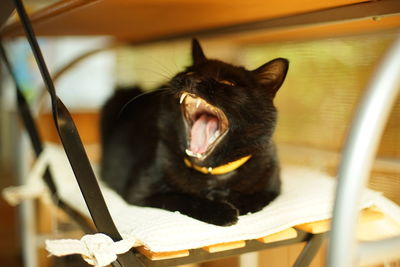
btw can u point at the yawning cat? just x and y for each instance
(201, 145)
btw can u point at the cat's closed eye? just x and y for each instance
(230, 83)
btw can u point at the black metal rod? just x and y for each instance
(37, 144)
(28, 121)
(30, 34)
(23, 107)
(73, 146)
(310, 250)
(42, 67)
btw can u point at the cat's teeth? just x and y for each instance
(182, 98)
(192, 154)
(198, 103)
(214, 137)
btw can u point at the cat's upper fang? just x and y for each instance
(182, 98)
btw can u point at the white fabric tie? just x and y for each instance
(34, 186)
(14, 195)
(98, 249)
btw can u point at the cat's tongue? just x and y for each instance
(202, 130)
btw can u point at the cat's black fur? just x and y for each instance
(144, 141)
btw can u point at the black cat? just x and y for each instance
(200, 145)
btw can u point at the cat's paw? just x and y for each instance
(254, 203)
(209, 211)
(222, 214)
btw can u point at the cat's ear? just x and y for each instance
(197, 52)
(272, 74)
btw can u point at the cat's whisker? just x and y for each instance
(164, 67)
(136, 97)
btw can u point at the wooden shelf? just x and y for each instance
(143, 21)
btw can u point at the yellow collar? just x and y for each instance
(223, 169)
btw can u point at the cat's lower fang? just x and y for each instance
(192, 154)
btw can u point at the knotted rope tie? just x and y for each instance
(34, 186)
(98, 249)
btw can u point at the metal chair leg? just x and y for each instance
(310, 250)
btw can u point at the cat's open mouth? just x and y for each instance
(206, 125)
